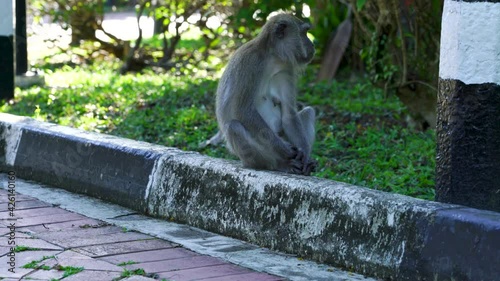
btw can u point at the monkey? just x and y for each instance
(256, 106)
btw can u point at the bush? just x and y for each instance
(361, 137)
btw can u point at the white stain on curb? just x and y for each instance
(12, 137)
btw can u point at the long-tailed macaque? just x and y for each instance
(256, 99)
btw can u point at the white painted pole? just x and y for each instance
(468, 127)
(470, 42)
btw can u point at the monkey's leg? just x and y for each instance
(243, 145)
(215, 140)
(308, 118)
(262, 150)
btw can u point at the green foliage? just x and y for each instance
(400, 41)
(361, 132)
(325, 16)
(35, 264)
(362, 139)
(126, 263)
(69, 270)
(31, 264)
(63, 11)
(128, 273)
(21, 248)
(360, 4)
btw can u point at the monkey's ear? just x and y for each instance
(280, 30)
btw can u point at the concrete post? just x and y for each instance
(24, 78)
(7, 52)
(468, 127)
(21, 38)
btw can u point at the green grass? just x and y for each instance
(127, 273)
(362, 137)
(188, 42)
(126, 263)
(21, 248)
(69, 270)
(36, 263)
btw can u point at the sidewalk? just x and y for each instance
(58, 232)
(51, 243)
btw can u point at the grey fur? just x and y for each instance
(256, 99)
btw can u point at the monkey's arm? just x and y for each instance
(295, 131)
(265, 135)
(293, 127)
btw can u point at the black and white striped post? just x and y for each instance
(468, 129)
(7, 50)
(21, 38)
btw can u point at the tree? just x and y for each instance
(400, 48)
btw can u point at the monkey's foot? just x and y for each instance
(310, 167)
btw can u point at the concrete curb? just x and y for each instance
(374, 233)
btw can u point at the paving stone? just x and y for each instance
(19, 235)
(204, 272)
(48, 219)
(78, 233)
(92, 275)
(92, 237)
(61, 226)
(18, 272)
(19, 197)
(71, 258)
(177, 264)
(45, 274)
(4, 250)
(49, 261)
(125, 247)
(33, 243)
(138, 278)
(7, 226)
(4, 230)
(21, 259)
(28, 204)
(149, 256)
(33, 212)
(252, 276)
(25, 257)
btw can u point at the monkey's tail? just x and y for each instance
(215, 140)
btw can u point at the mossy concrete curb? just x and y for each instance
(373, 233)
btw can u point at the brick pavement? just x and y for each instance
(56, 243)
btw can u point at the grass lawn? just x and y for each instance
(361, 134)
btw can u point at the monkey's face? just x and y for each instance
(286, 35)
(306, 48)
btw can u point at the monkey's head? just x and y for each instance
(287, 38)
